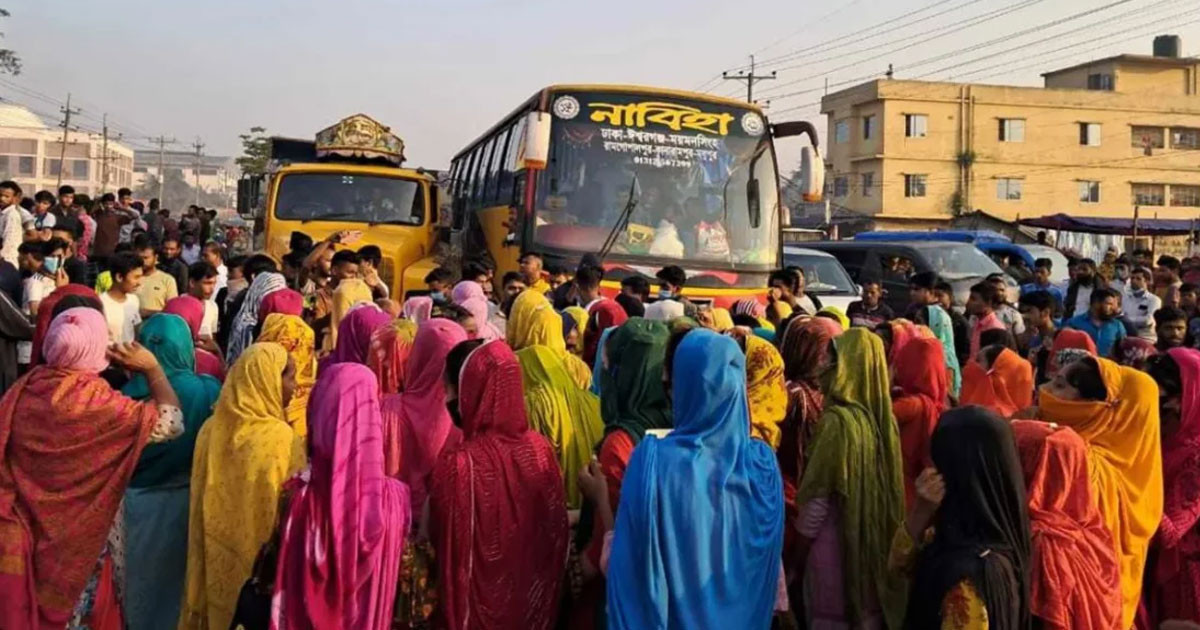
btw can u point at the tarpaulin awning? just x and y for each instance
(1107, 225)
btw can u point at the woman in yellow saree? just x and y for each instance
(534, 322)
(296, 337)
(765, 389)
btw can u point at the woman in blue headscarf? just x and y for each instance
(940, 323)
(156, 503)
(700, 524)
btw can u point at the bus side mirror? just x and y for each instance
(249, 196)
(812, 174)
(534, 151)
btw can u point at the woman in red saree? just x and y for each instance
(919, 388)
(497, 505)
(70, 445)
(390, 346)
(1004, 385)
(46, 314)
(192, 311)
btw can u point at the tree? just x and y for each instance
(10, 63)
(256, 151)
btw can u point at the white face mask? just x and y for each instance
(236, 286)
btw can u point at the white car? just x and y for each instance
(824, 276)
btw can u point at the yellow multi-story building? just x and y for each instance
(1099, 139)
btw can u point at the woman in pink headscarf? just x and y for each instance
(418, 309)
(469, 295)
(416, 423)
(284, 301)
(192, 312)
(354, 335)
(343, 536)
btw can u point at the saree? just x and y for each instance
(943, 328)
(1122, 434)
(343, 535)
(918, 400)
(418, 309)
(61, 482)
(855, 461)
(634, 399)
(558, 409)
(1006, 388)
(1068, 339)
(295, 336)
(700, 525)
(722, 320)
(603, 315)
(390, 348)
(497, 507)
(348, 295)
(598, 363)
(1176, 578)
(469, 295)
(837, 314)
(765, 390)
(46, 313)
(285, 302)
(1075, 582)
(1133, 352)
(416, 424)
(192, 312)
(533, 322)
(804, 350)
(241, 333)
(354, 335)
(244, 453)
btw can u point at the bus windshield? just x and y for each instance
(350, 197)
(702, 176)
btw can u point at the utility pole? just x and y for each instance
(750, 79)
(104, 157)
(196, 167)
(162, 176)
(66, 125)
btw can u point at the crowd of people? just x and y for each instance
(282, 443)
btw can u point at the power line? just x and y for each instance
(750, 79)
(67, 111)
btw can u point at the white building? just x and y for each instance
(215, 174)
(32, 154)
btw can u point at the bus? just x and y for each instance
(348, 178)
(641, 177)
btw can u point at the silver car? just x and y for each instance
(824, 276)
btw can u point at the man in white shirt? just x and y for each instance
(202, 285)
(215, 257)
(1139, 303)
(44, 260)
(121, 305)
(12, 230)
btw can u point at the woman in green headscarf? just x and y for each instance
(943, 328)
(851, 496)
(156, 503)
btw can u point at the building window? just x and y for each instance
(1089, 192)
(1185, 196)
(79, 169)
(841, 132)
(1008, 189)
(1149, 194)
(868, 182)
(916, 125)
(1147, 137)
(1185, 138)
(1012, 130)
(25, 165)
(1089, 134)
(914, 185)
(1100, 82)
(868, 127)
(52, 167)
(841, 186)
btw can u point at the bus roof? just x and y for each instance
(542, 96)
(365, 169)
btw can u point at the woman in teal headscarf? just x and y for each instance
(941, 325)
(156, 503)
(851, 496)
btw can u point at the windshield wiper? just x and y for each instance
(622, 220)
(329, 217)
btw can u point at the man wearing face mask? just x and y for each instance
(1079, 293)
(1100, 320)
(439, 282)
(671, 280)
(1120, 275)
(1139, 304)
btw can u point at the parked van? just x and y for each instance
(824, 276)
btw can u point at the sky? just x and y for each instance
(440, 73)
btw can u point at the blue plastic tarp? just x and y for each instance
(1112, 225)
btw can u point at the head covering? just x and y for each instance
(342, 538)
(722, 320)
(297, 338)
(1122, 433)
(192, 312)
(1006, 388)
(700, 527)
(943, 328)
(750, 307)
(348, 296)
(559, 409)
(903, 331)
(244, 453)
(598, 362)
(55, 512)
(1178, 535)
(416, 424)
(1069, 339)
(418, 309)
(497, 506)
(765, 390)
(354, 335)
(839, 314)
(467, 290)
(241, 332)
(1075, 582)
(1133, 352)
(480, 310)
(804, 349)
(390, 347)
(981, 531)
(634, 398)
(603, 315)
(580, 318)
(169, 339)
(920, 377)
(286, 301)
(77, 341)
(46, 313)
(855, 457)
(534, 322)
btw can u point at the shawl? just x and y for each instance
(603, 315)
(341, 541)
(192, 312)
(533, 322)
(839, 314)
(633, 397)
(765, 390)
(354, 335)
(855, 460)
(1122, 434)
(1075, 581)
(565, 414)
(902, 332)
(297, 338)
(46, 313)
(286, 302)
(241, 332)
(598, 363)
(480, 308)
(61, 482)
(805, 349)
(920, 378)
(497, 507)
(467, 290)
(244, 453)
(418, 309)
(943, 328)
(390, 348)
(1133, 352)
(1177, 535)
(416, 423)
(700, 527)
(1068, 339)
(722, 320)
(169, 339)
(1007, 388)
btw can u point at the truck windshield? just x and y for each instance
(346, 197)
(702, 174)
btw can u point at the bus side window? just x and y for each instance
(504, 174)
(485, 154)
(497, 154)
(512, 191)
